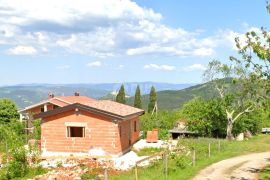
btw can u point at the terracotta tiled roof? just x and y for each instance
(102, 105)
(114, 107)
(57, 102)
(75, 99)
(62, 101)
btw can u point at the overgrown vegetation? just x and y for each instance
(163, 120)
(16, 157)
(180, 166)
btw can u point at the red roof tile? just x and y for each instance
(104, 105)
(114, 107)
(75, 99)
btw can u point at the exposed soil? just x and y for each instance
(244, 167)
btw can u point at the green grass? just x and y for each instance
(258, 143)
(265, 174)
(148, 151)
(31, 173)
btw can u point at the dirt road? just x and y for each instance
(242, 167)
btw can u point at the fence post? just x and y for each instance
(7, 151)
(209, 150)
(136, 172)
(166, 166)
(193, 157)
(106, 174)
(218, 145)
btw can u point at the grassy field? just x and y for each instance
(181, 168)
(265, 174)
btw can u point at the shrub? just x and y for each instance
(182, 161)
(16, 169)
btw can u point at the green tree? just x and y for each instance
(152, 99)
(8, 111)
(244, 97)
(138, 98)
(121, 96)
(254, 53)
(205, 116)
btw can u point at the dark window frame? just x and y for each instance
(135, 126)
(120, 131)
(72, 132)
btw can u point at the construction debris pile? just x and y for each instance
(74, 168)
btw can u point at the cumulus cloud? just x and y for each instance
(194, 67)
(99, 28)
(159, 67)
(22, 50)
(94, 64)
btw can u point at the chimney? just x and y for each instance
(77, 93)
(50, 95)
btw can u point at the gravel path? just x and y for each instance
(244, 167)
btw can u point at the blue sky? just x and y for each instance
(99, 41)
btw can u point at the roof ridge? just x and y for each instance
(62, 99)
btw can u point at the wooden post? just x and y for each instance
(136, 172)
(166, 166)
(209, 150)
(106, 174)
(7, 151)
(194, 157)
(218, 145)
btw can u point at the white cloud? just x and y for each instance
(159, 67)
(69, 12)
(22, 50)
(100, 28)
(63, 67)
(194, 67)
(94, 64)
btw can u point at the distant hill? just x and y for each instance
(171, 99)
(145, 87)
(28, 94)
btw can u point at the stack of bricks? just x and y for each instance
(152, 136)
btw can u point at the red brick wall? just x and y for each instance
(126, 127)
(100, 132)
(37, 110)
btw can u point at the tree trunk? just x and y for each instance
(229, 129)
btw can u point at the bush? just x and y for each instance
(16, 169)
(182, 161)
(18, 166)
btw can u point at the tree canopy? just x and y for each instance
(121, 96)
(138, 98)
(152, 99)
(8, 111)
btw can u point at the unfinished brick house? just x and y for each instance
(85, 126)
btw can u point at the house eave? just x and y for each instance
(86, 108)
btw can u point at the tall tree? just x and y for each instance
(8, 111)
(121, 96)
(243, 98)
(152, 99)
(138, 98)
